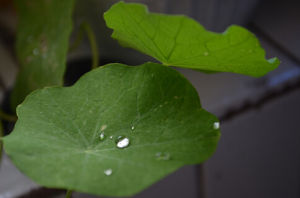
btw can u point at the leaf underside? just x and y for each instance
(42, 43)
(56, 138)
(181, 41)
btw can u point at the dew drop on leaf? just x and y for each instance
(122, 142)
(108, 172)
(216, 125)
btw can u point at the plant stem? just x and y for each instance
(7, 117)
(85, 27)
(93, 43)
(77, 41)
(69, 193)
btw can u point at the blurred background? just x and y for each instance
(259, 151)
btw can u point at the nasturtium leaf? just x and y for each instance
(181, 41)
(42, 44)
(67, 137)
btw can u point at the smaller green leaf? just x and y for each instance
(181, 41)
(42, 44)
(115, 132)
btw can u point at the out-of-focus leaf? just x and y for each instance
(42, 44)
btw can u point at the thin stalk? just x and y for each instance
(7, 117)
(77, 41)
(85, 27)
(93, 44)
(69, 193)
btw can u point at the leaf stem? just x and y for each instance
(7, 117)
(93, 43)
(77, 41)
(85, 27)
(69, 193)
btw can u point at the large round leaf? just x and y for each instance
(67, 137)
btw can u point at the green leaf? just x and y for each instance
(57, 143)
(42, 43)
(181, 41)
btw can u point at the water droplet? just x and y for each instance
(103, 127)
(162, 156)
(132, 127)
(205, 53)
(36, 51)
(102, 136)
(122, 142)
(108, 172)
(111, 137)
(216, 125)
